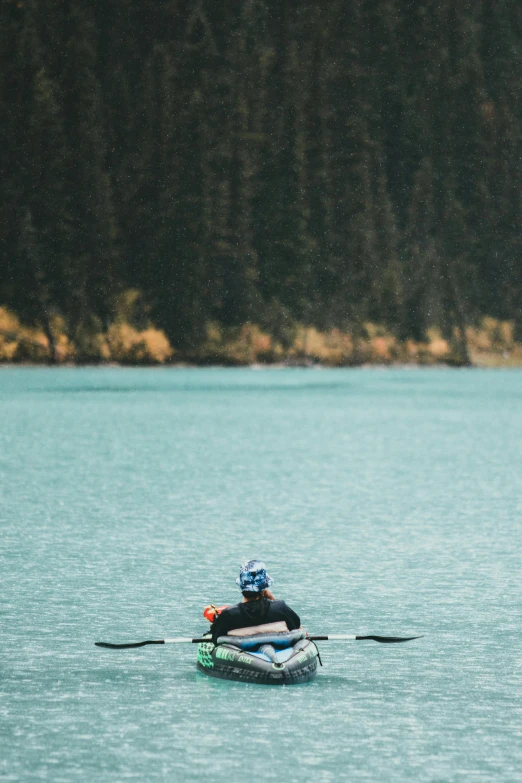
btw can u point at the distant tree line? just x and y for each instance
(269, 161)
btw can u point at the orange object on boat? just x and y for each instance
(211, 612)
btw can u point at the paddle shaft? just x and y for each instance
(199, 640)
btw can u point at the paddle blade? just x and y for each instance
(126, 646)
(388, 639)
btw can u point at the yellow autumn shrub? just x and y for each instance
(128, 345)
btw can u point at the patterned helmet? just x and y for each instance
(253, 577)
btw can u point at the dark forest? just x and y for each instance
(261, 161)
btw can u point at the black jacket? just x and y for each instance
(254, 613)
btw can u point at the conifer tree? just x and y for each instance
(93, 278)
(40, 208)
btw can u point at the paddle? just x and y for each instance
(331, 637)
(345, 637)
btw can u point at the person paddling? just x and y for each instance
(258, 608)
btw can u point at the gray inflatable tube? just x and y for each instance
(276, 659)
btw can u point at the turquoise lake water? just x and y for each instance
(383, 501)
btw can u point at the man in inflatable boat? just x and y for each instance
(258, 614)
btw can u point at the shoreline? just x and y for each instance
(489, 362)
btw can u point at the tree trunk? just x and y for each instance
(46, 325)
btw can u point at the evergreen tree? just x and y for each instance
(93, 278)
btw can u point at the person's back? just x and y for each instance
(259, 607)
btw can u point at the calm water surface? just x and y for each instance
(384, 502)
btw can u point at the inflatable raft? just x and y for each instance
(270, 659)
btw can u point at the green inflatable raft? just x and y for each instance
(275, 659)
